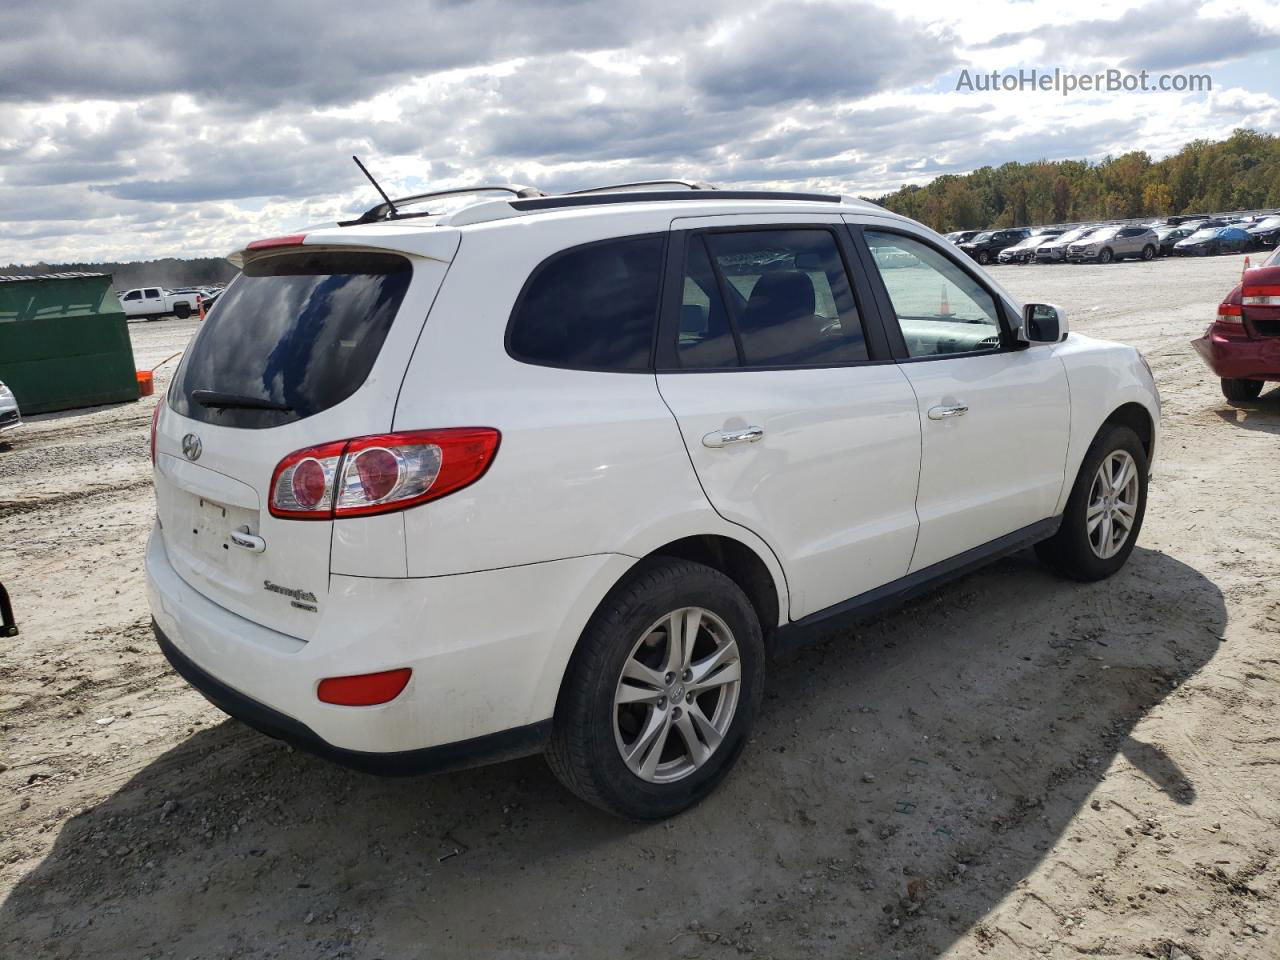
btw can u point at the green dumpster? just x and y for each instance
(64, 342)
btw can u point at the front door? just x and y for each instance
(995, 414)
(799, 425)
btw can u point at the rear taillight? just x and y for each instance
(1229, 313)
(368, 475)
(155, 421)
(1266, 295)
(302, 484)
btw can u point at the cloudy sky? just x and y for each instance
(133, 130)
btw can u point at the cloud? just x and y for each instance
(315, 52)
(126, 131)
(818, 51)
(1157, 36)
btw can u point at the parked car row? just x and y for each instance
(1189, 236)
(160, 302)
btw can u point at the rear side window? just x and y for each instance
(591, 307)
(292, 335)
(767, 298)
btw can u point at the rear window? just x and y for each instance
(292, 335)
(591, 308)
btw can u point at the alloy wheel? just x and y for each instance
(683, 676)
(1113, 504)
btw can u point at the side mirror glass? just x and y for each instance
(1043, 323)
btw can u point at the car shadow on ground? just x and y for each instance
(1261, 414)
(903, 779)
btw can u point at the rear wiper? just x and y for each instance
(234, 401)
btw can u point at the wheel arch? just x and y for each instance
(1138, 419)
(739, 563)
(752, 567)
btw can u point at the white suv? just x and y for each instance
(559, 472)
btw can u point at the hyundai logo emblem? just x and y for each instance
(191, 446)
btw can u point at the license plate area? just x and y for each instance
(203, 532)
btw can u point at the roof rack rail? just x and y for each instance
(587, 199)
(388, 211)
(691, 184)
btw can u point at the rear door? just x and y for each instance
(306, 347)
(798, 424)
(995, 415)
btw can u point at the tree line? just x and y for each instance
(1239, 173)
(168, 272)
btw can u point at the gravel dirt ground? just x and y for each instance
(1013, 766)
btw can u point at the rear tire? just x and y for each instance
(1088, 545)
(1241, 391)
(182, 310)
(1148, 252)
(623, 683)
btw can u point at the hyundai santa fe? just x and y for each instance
(558, 473)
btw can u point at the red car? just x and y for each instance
(1242, 346)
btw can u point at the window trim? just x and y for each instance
(667, 357)
(1008, 342)
(544, 264)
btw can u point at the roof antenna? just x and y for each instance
(394, 211)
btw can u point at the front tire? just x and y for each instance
(984, 258)
(661, 692)
(1241, 391)
(1105, 255)
(1105, 510)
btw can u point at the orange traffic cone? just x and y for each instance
(1246, 265)
(944, 308)
(200, 305)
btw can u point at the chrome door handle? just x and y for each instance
(722, 438)
(243, 538)
(950, 410)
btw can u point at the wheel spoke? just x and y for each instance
(698, 750)
(692, 624)
(706, 729)
(644, 676)
(1126, 473)
(721, 667)
(1095, 515)
(646, 751)
(682, 631)
(631, 693)
(1125, 514)
(1104, 537)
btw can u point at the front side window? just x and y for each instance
(768, 298)
(133, 295)
(592, 307)
(940, 308)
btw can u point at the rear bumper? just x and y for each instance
(1240, 359)
(487, 649)
(10, 417)
(505, 745)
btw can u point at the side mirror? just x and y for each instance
(1043, 323)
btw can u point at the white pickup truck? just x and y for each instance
(158, 302)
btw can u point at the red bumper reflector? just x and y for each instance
(365, 690)
(291, 241)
